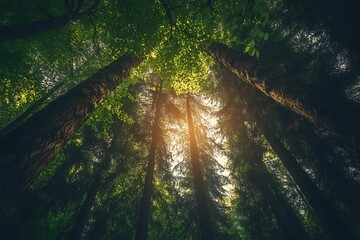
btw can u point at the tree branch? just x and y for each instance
(97, 46)
(173, 23)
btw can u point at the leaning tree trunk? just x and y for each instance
(14, 32)
(326, 214)
(82, 216)
(340, 115)
(30, 110)
(206, 231)
(333, 175)
(26, 151)
(145, 202)
(98, 181)
(289, 223)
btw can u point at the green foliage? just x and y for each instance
(172, 37)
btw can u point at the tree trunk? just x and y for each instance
(200, 194)
(30, 110)
(26, 151)
(83, 214)
(14, 32)
(340, 115)
(332, 174)
(98, 232)
(332, 223)
(145, 202)
(289, 223)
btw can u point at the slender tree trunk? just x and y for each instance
(340, 115)
(30, 110)
(334, 178)
(26, 151)
(14, 32)
(145, 202)
(332, 174)
(98, 181)
(284, 213)
(334, 226)
(83, 214)
(200, 194)
(289, 223)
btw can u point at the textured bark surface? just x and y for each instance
(206, 231)
(326, 214)
(145, 202)
(340, 115)
(14, 32)
(26, 151)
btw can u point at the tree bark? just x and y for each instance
(206, 230)
(145, 202)
(14, 32)
(26, 151)
(335, 113)
(30, 110)
(334, 226)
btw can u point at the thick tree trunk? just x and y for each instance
(327, 216)
(30, 110)
(26, 151)
(340, 115)
(14, 32)
(145, 202)
(200, 194)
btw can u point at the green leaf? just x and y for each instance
(252, 51)
(266, 36)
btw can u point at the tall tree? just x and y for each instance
(27, 149)
(145, 203)
(98, 181)
(338, 114)
(318, 153)
(269, 188)
(323, 209)
(245, 153)
(206, 231)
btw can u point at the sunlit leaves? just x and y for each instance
(181, 64)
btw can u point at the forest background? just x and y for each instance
(165, 119)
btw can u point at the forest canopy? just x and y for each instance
(163, 119)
